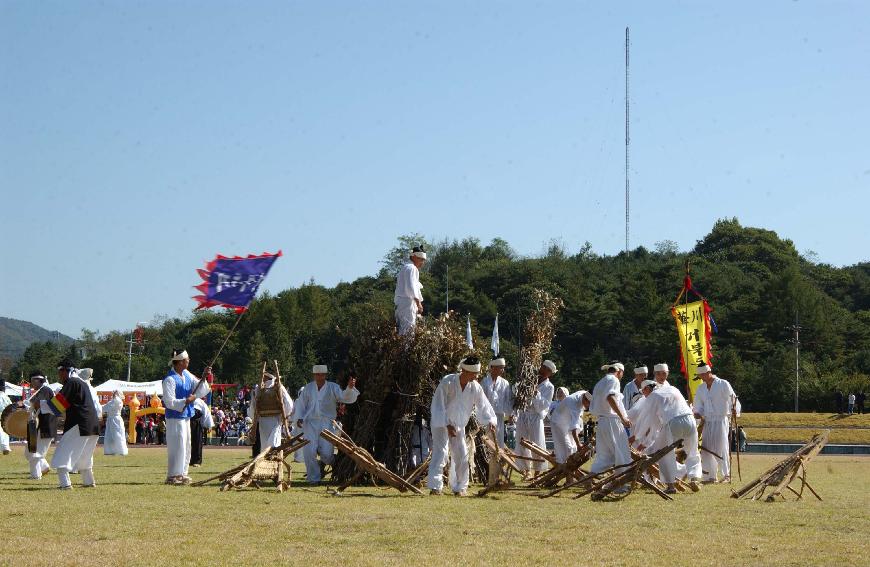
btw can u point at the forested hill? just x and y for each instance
(616, 307)
(16, 336)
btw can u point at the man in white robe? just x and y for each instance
(316, 409)
(46, 424)
(455, 398)
(267, 407)
(4, 402)
(408, 297)
(714, 401)
(642, 433)
(530, 422)
(673, 420)
(501, 398)
(180, 389)
(633, 387)
(81, 430)
(611, 440)
(566, 422)
(114, 440)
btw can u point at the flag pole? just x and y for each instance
(214, 359)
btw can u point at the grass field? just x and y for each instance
(131, 518)
(800, 427)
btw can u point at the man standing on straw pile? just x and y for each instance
(456, 396)
(81, 427)
(179, 392)
(498, 393)
(611, 440)
(530, 424)
(266, 409)
(673, 419)
(715, 402)
(316, 409)
(409, 293)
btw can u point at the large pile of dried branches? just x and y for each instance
(537, 341)
(397, 377)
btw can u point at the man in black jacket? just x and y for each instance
(81, 427)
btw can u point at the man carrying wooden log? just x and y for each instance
(270, 411)
(611, 440)
(566, 421)
(501, 398)
(530, 423)
(672, 418)
(715, 402)
(316, 409)
(456, 396)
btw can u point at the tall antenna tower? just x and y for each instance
(627, 139)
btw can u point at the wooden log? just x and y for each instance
(540, 451)
(367, 462)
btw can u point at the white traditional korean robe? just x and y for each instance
(408, 288)
(674, 420)
(114, 440)
(501, 398)
(178, 413)
(452, 405)
(4, 437)
(317, 408)
(530, 425)
(611, 440)
(269, 426)
(714, 405)
(565, 417)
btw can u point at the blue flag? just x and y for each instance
(233, 282)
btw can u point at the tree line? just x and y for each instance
(616, 307)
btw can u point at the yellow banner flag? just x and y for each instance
(693, 328)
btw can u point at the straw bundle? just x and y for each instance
(538, 339)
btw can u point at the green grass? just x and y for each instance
(817, 420)
(804, 434)
(800, 427)
(131, 518)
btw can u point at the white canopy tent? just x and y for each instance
(147, 388)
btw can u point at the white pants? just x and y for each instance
(611, 444)
(37, 460)
(177, 447)
(715, 438)
(458, 452)
(406, 314)
(563, 443)
(298, 456)
(681, 427)
(75, 451)
(114, 441)
(269, 427)
(530, 426)
(499, 429)
(317, 445)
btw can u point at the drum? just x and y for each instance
(14, 421)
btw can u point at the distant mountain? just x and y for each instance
(16, 336)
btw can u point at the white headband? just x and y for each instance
(469, 367)
(181, 356)
(641, 370)
(616, 365)
(702, 369)
(497, 362)
(564, 391)
(269, 376)
(418, 255)
(587, 396)
(319, 369)
(551, 365)
(646, 383)
(661, 367)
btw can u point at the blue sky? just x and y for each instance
(138, 139)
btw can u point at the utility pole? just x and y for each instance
(796, 329)
(130, 343)
(627, 139)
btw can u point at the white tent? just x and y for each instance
(15, 390)
(147, 388)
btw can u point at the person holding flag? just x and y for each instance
(180, 389)
(81, 428)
